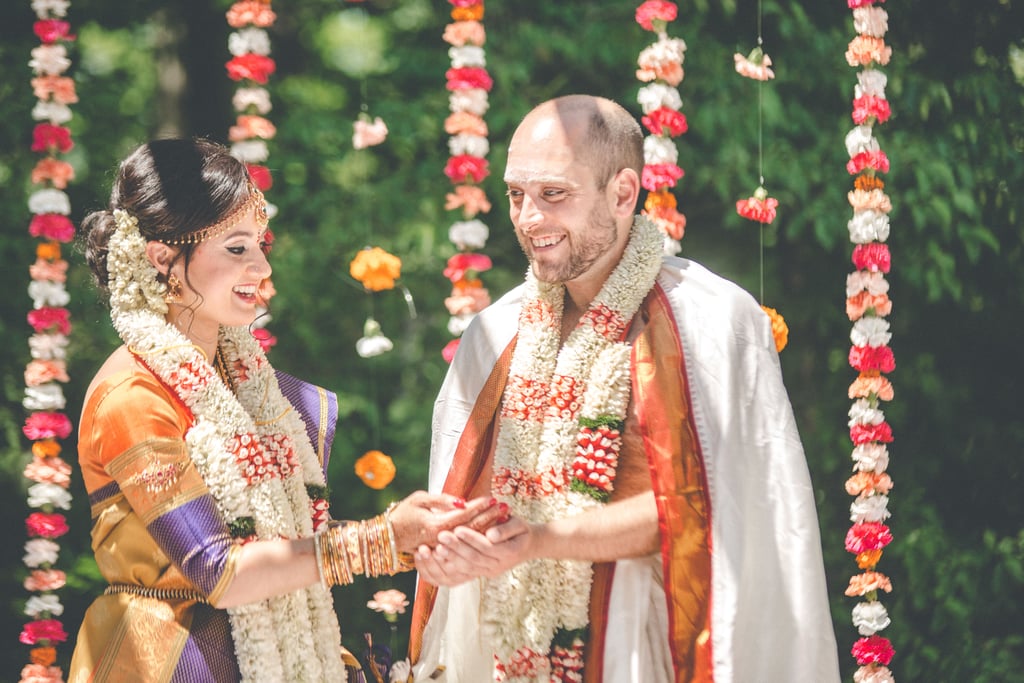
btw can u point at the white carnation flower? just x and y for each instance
(252, 151)
(665, 50)
(870, 617)
(660, 150)
(42, 494)
(49, 396)
(870, 331)
(457, 324)
(252, 97)
(870, 509)
(467, 55)
(474, 145)
(249, 39)
(870, 82)
(657, 95)
(861, 413)
(44, 9)
(49, 60)
(871, 457)
(472, 100)
(48, 346)
(873, 281)
(48, 293)
(49, 200)
(871, 21)
(373, 342)
(672, 246)
(860, 140)
(44, 604)
(54, 112)
(469, 234)
(868, 226)
(873, 674)
(40, 551)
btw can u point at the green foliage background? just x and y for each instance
(956, 85)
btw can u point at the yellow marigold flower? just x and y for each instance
(376, 269)
(779, 328)
(376, 469)
(660, 198)
(869, 558)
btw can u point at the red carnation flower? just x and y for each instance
(665, 121)
(47, 137)
(462, 264)
(465, 168)
(873, 650)
(49, 630)
(260, 176)
(760, 209)
(51, 30)
(873, 256)
(864, 358)
(868, 106)
(861, 434)
(655, 10)
(50, 319)
(52, 226)
(265, 338)
(46, 524)
(866, 536)
(251, 66)
(448, 352)
(875, 160)
(468, 78)
(46, 426)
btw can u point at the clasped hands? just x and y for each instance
(455, 541)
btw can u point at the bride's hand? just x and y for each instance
(420, 517)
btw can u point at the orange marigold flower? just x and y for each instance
(668, 220)
(43, 656)
(56, 171)
(869, 558)
(376, 269)
(48, 250)
(472, 13)
(376, 469)
(780, 331)
(660, 198)
(868, 183)
(47, 448)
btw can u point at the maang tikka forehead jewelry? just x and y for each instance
(255, 200)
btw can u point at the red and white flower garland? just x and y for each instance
(251, 66)
(868, 305)
(468, 84)
(50, 321)
(661, 66)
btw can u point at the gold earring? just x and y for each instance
(173, 295)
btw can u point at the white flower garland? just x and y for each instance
(537, 442)
(268, 635)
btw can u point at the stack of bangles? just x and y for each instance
(345, 549)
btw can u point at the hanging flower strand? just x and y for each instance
(468, 84)
(251, 66)
(868, 306)
(661, 67)
(46, 423)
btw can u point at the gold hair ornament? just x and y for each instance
(255, 200)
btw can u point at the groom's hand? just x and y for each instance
(464, 553)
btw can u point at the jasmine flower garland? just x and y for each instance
(251, 451)
(554, 398)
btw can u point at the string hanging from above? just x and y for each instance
(868, 307)
(251, 67)
(759, 207)
(468, 84)
(661, 67)
(44, 401)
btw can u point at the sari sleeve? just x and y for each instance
(138, 439)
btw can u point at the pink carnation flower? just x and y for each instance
(866, 536)
(46, 426)
(46, 525)
(657, 176)
(468, 78)
(460, 33)
(464, 264)
(50, 319)
(873, 650)
(49, 630)
(251, 66)
(52, 226)
(368, 133)
(465, 168)
(863, 358)
(867, 107)
(49, 31)
(655, 10)
(55, 271)
(756, 66)
(45, 580)
(448, 352)
(49, 471)
(665, 121)
(470, 198)
(862, 434)
(47, 137)
(760, 209)
(873, 256)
